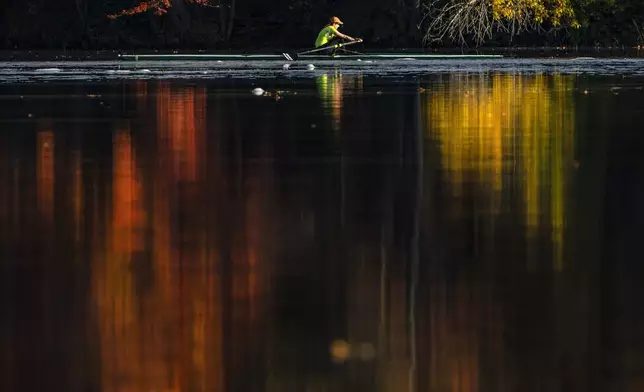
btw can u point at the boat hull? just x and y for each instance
(260, 57)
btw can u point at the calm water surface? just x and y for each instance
(443, 232)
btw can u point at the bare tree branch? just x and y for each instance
(473, 20)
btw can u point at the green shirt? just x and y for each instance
(325, 36)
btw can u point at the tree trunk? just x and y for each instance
(226, 19)
(81, 9)
(181, 18)
(231, 18)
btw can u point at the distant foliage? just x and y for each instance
(270, 24)
(534, 11)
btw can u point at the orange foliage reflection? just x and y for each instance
(180, 114)
(45, 144)
(114, 287)
(159, 282)
(77, 195)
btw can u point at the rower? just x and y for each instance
(330, 36)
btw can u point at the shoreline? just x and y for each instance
(508, 52)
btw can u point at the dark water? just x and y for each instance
(101, 71)
(443, 232)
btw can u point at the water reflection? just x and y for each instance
(46, 174)
(504, 134)
(331, 88)
(181, 243)
(506, 155)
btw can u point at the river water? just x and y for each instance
(437, 226)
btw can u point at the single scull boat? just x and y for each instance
(339, 53)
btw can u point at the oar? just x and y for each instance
(294, 56)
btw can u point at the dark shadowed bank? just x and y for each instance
(255, 24)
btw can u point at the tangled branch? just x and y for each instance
(639, 29)
(455, 20)
(464, 20)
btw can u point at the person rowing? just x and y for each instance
(330, 36)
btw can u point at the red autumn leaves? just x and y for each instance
(159, 7)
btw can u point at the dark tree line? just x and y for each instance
(254, 24)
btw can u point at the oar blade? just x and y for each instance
(290, 56)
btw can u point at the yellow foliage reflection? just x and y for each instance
(332, 88)
(506, 132)
(331, 93)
